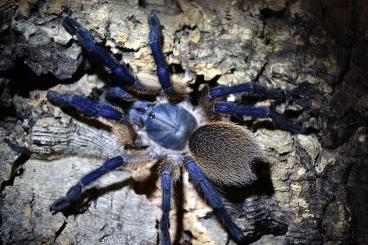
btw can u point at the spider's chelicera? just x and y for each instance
(174, 133)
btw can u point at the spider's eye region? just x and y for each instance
(151, 115)
(170, 125)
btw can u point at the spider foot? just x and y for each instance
(58, 99)
(71, 25)
(59, 205)
(155, 34)
(282, 123)
(65, 202)
(270, 93)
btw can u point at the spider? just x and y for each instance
(172, 132)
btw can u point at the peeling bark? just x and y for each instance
(313, 190)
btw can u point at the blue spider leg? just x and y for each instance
(75, 191)
(166, 198)
(257, 90)
(259, 112)
(155, 42)
(86, 41)
(86, 106)
(119, 94)
(213, 198)
(222, 91)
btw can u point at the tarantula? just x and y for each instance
(173, 132)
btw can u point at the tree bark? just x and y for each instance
(314, 188)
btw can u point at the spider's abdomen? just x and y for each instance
(226, 153)
(170, 125)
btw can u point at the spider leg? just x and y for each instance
(86, 106)
(166, 198)
(257, 90)
(213, 198)
(155, 42)
(261, 112)
(75, 191)
(85, 39)
(119, 94)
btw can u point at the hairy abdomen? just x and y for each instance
(226, 153)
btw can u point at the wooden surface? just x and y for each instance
(314, 190)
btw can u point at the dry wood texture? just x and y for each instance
(315, 188)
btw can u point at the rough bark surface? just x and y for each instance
(315, 189)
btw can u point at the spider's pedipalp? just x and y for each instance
(213, 198)
(119, 94)
(226, 153)
(87, 107)
(166, 181)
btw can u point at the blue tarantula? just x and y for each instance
(173, 132)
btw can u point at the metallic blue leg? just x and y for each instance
(74, 192)
(260, 112)
(155, 42)
(86, 106)
(231, 108)
(257, 90)
(222, 91)
(213, 198)
(119, 94)
(86, 41)
(166, 198)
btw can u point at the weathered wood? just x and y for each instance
(314, 189)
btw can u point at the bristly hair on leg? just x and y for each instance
(213, 198)
(166, 182)
(156, 42)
